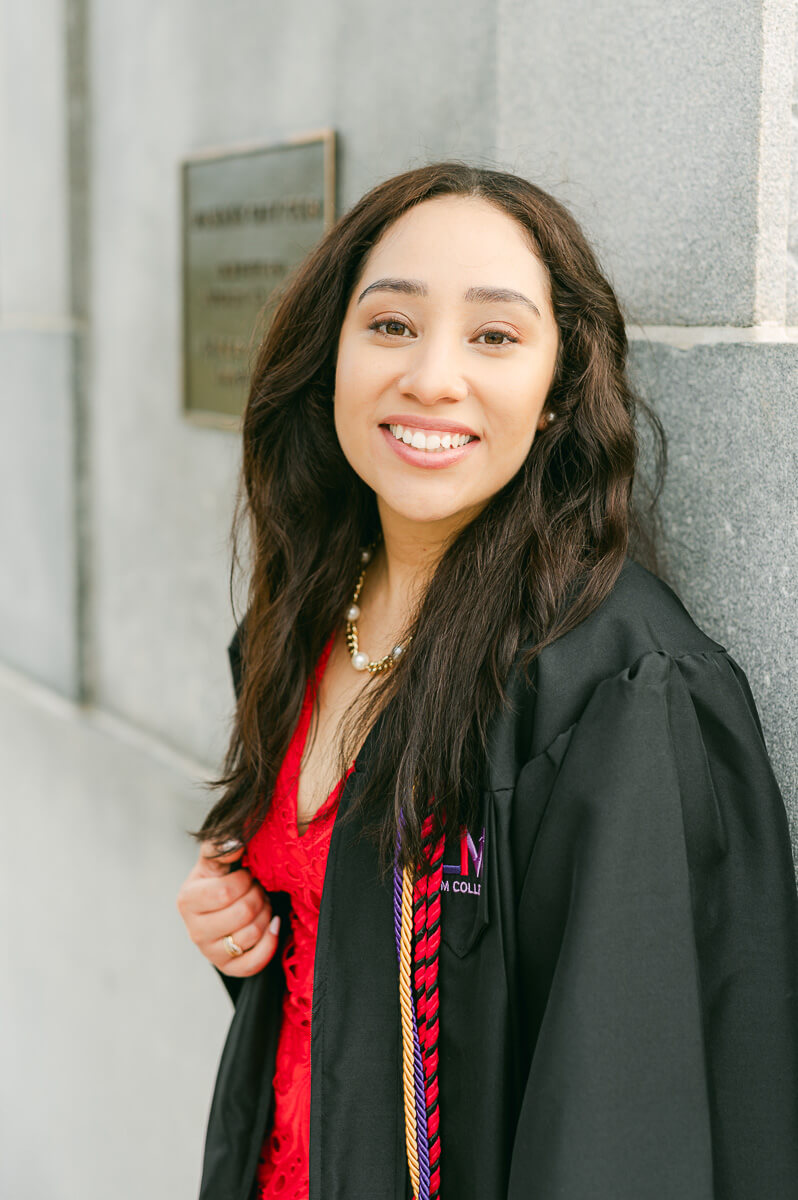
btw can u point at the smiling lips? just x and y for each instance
(431, 441)
(428, 448)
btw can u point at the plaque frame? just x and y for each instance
(327, 137)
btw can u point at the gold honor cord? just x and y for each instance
(406, 1005)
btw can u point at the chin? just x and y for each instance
(421, 510)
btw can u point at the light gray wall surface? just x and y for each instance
(646, 120)
(38, 533)
(162, 488)
(669, 134)
(110, 1021)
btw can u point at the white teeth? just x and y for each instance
(429, 441)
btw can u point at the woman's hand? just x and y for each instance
(216, 904)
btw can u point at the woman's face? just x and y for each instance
(448, 331)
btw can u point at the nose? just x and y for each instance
(434, 372)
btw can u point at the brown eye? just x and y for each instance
(498, 333)
(395, 331)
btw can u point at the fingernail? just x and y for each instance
(230, 845)
(274, 925)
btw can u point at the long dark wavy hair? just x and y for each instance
(540, 556)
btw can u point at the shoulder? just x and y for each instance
(641, 616)
(641, 613)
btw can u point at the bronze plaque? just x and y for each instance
(249, 216)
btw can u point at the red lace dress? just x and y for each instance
(282, 860)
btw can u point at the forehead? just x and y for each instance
(462, 236)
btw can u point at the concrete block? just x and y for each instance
(38, 600)
(644, 119)
(34, 251)
(730, 505)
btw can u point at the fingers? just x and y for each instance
(232, 906)
(215, 860)
(201, 895)
(255, 957)
(215, 902)
(215, 863)
(254, 907)
(246, 936)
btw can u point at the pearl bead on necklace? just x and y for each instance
(360, 660)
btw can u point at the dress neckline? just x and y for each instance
(301, 739)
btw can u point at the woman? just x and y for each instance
(539, 933)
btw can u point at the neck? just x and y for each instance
(405, 561)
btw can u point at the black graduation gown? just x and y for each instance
(619, 962)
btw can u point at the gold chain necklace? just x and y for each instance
(360, 660)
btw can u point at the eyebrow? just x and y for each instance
(478, 295)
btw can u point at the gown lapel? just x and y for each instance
(357, 1147)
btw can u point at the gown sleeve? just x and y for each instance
(658, 930)
(234, 657)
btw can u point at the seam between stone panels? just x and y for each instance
(689, 336)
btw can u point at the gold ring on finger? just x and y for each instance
(232, 947)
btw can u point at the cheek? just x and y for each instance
(357, 382)
(512, 424)
(351, 409)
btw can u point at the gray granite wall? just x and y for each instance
(668, 131)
